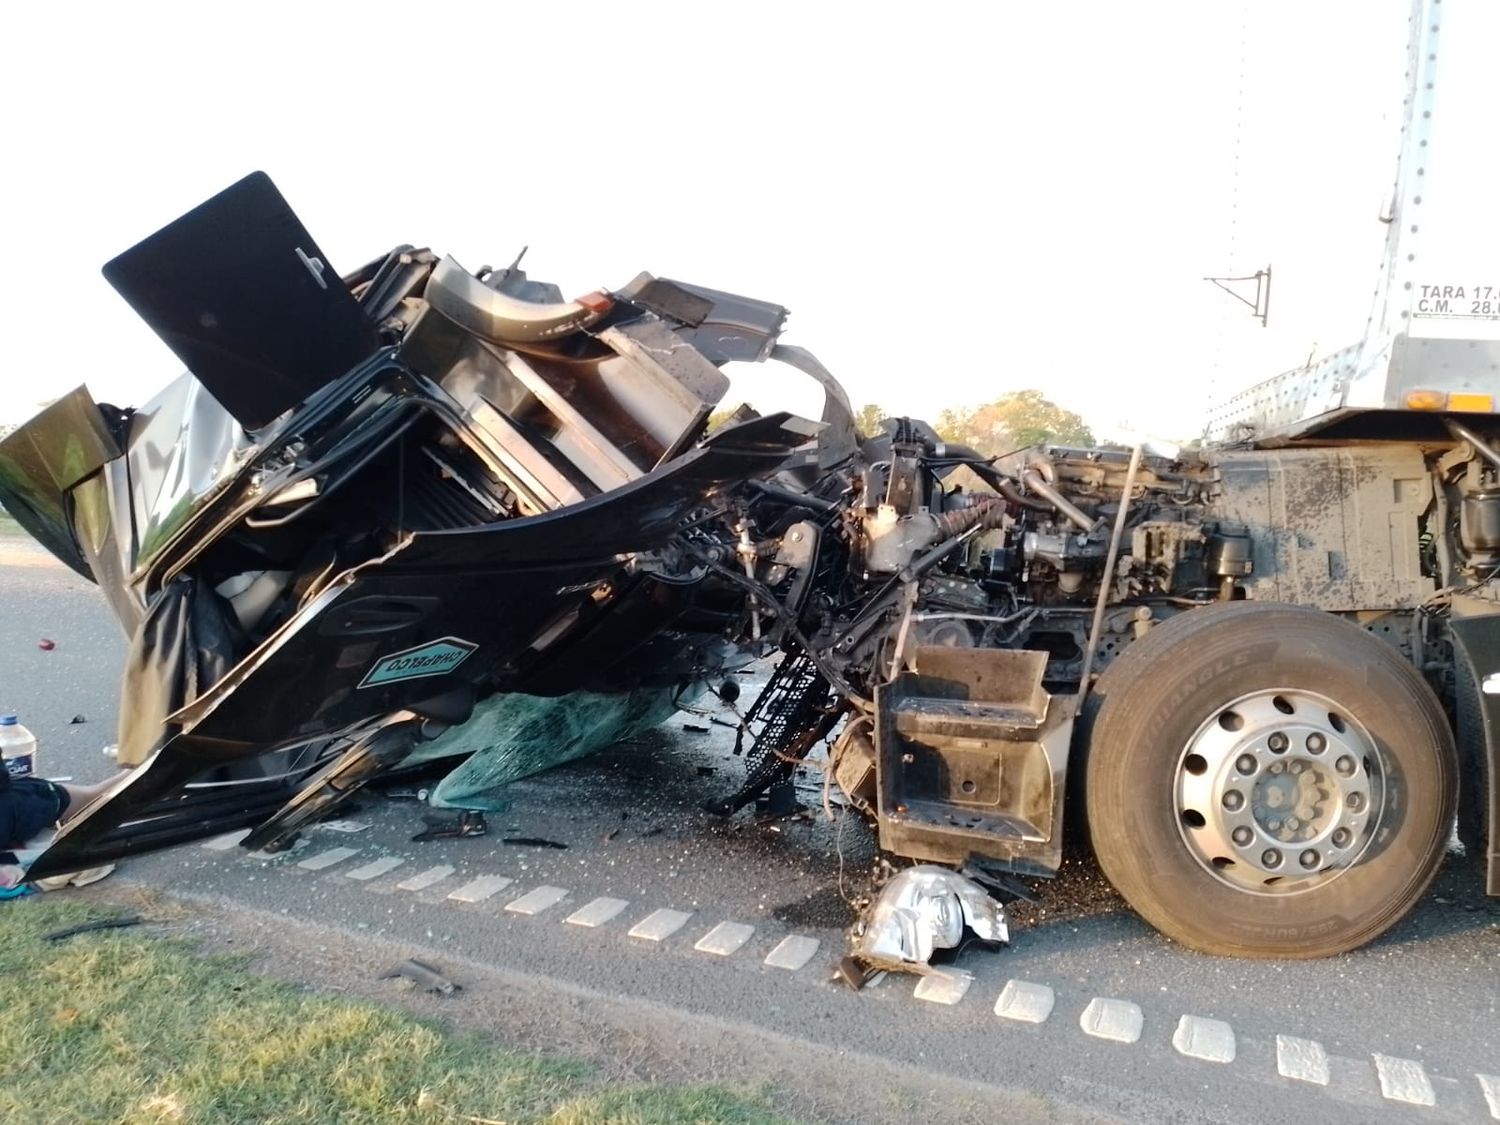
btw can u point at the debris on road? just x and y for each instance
(469, 822)
(694, 728)
(76, 719)
(423, 975)
(46, 644)
(534, 842)
(922, 910)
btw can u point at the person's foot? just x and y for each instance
(75, 879)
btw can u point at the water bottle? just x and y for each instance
(17, 746)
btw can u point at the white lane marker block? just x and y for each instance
(375, 868)
(597, 913)
(1117, 1020)
(324, 860)
(477, 890)
(943, 986)
(1198, 1037)
(793, 953)
(660, 924)
(1302, 1059)
(1026, 1002)
(1489, 1084)
(534, 902)
(424, 879)
(724, 939)
(225, 842)
(1404, 1080)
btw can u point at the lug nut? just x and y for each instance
(1242, 836)
(1271, 858)
(1245, 763)
(1274, 825)
(1341, 838)
(1277, 742)
(1355, 802)
(1297, 767)
(1345, 766)
(1292, 824)
(1316, 743)
(1308, 859)
(1234, 800)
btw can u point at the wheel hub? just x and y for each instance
(1278, 791)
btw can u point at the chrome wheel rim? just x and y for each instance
(1279, 792)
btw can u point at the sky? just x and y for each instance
(954, 200)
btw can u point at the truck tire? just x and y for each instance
(1268, 781)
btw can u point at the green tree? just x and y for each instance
(869, 420)
(1015, 420)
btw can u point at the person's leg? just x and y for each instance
(81, 797)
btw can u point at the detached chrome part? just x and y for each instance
(922, 910)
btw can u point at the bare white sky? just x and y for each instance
(954, 200)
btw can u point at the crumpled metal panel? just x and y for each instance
(922, 910)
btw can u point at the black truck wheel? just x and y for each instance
(1268, 781)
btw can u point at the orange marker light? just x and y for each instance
(1426, 400)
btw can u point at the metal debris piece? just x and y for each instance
(470, 822)
(924, 909)
(76, 719)
(534, 842)
(119, 923)
(46, 644)
(423, 975)
(694, 728)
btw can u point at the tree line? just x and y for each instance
(1015, 420)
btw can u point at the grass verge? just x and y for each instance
(128, 1027)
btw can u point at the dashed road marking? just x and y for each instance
(1024, 1001)
(792, 953)
(1201, 1038)
(534, 902)
(724, 939)
(597, 913)
(477, 890)
(225, 842)
(325, 860)
(660, 924)
(1302, 1059)
(943, 986)
(1404, 1080)
(1117, 1020)
(375, 868)
(424, 879)
(1489, 1084)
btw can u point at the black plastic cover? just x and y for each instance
(240, 292)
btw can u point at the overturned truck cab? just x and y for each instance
(379, 503)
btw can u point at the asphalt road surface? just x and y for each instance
(656, 902)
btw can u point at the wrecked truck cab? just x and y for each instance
(380, 504)
(372, 504)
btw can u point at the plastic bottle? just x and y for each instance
(17, 746)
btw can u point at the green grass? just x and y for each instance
(121, 1026)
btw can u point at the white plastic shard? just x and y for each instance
(923, 909)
